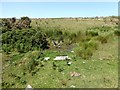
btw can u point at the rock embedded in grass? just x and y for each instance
(29, 87)
(84, 62)
(72, 51)
(69, 63)
(46, 58)
(62, 58)
(72, 86)
(74, 74)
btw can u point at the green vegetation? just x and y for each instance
(90, 43)
(12, 23)
(24, 40)
(85, 49)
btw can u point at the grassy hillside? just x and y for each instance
(68, 24)
(92, 45)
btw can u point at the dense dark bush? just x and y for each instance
(4, 29)
(24, 40)
(5, 22)
(24, 22)
(12, 23)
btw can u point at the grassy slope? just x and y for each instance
(67, 24)
(95, 73)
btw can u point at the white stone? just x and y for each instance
(72, 51)
(72, 86)
(29, 87)
(46, 58)
(62, 58)
(83, 62)
(69, 63)
(74, 74)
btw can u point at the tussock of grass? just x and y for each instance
(86, 49)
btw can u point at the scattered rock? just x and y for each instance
(74, 74)
(84, 62)
(62, 58)
(46, 58)
(100, 59)
(106, 58)
(72, 86)
(29, 87)
(72, 51)
(69, 63)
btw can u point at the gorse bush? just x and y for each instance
(4, 29)
(28, 39)
(12, 23)
(35, 39)
(6, 48)
(24, 40)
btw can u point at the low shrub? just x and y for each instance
(93, 44)
(33, 59)
(24, 40)
(103, 39)
(117, 32)
(102, 29)
(83, 53)
(91, 33)
(86, 49)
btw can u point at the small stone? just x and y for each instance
(69, 63)
(72, 86)
(29, 87)
(46, 58)
(62, 58)
(72, 51)
(74, 74)
(84, 62)
(100, 59)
